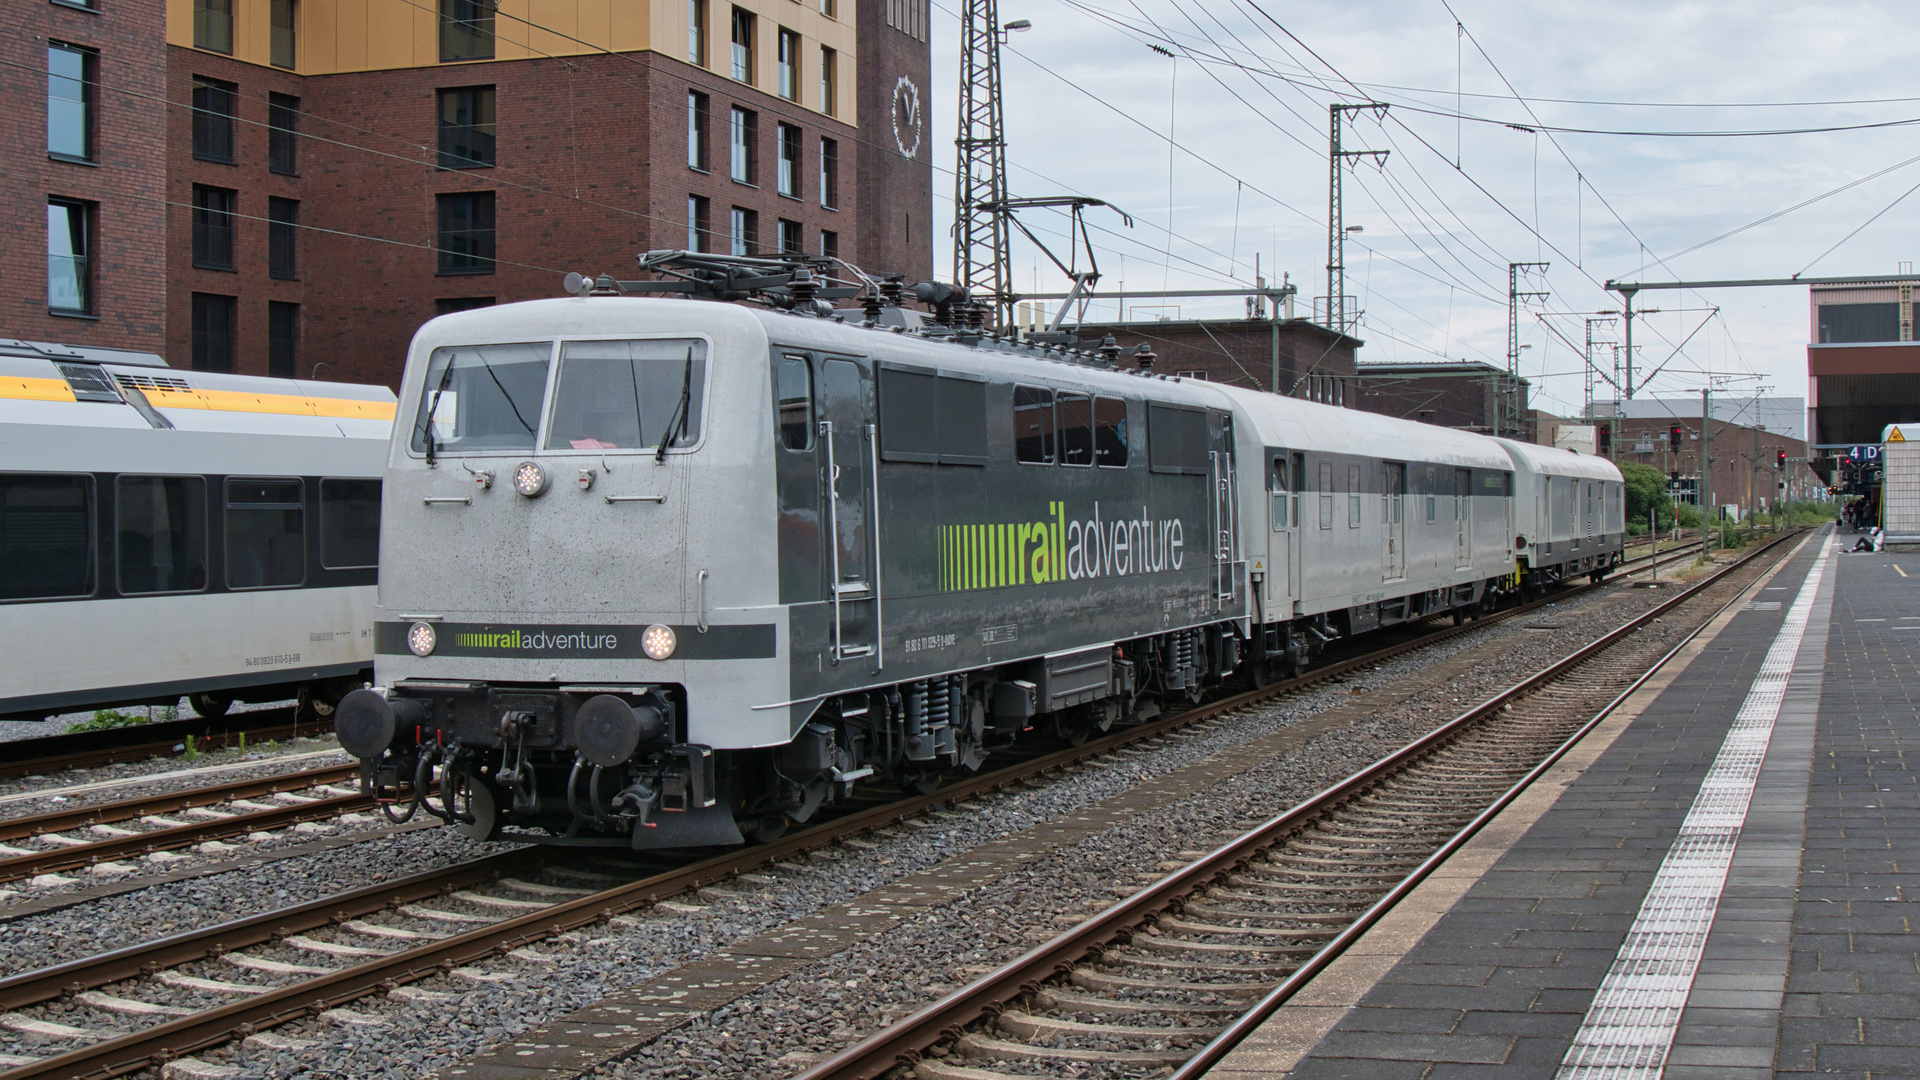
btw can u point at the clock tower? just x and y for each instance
(895, 148)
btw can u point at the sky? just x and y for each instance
(1219, 153)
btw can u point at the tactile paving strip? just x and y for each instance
(1630, 1026)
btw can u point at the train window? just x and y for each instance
(932, 418)
(1033, 425)
(1076, 429)
(1326, 494)
(266, 534)
(1176, 440)
(160, 532)
(1277, 484)
(909, 414)
(963, 421)
(1353, 496)
(46, 537)
(628, 395)
(349, 524)
(1110, 433)
(793, 401)
(1432, 497)
(478, 398)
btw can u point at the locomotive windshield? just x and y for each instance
(610, 395)
(482, 397)
(627, 395)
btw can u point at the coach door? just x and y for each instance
(848, 456)
(1285, 473)
(1463, 518)
(1393, 498)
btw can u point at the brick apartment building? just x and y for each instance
(291, 187)
(1462, 394)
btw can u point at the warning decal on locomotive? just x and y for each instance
(1039, 552)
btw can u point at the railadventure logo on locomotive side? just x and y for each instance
(1060, 548)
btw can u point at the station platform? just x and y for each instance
(1721, 881)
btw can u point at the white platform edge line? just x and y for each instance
(1630, 1026)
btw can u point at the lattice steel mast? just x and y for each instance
(982, 259)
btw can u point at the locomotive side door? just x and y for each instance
(848, 455)
(1224, 510)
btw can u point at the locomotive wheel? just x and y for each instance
(476, 816)
(765, 830)
(209, 706)
(920, 779)
(1264, 673)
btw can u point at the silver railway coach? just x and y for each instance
(667, 572)
(1569, 514)
(167, 533)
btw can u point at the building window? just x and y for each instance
(71, 75)
(283, 337)
(461, 303)
(1841, 323)
(829, 173)
(829, 85)
(466, 233)
(213, 108)
(697, 105)
(741, 127)
(466, 127)
(699, 223)
(789, 65)
(830, 8)
(69, 257)
(281, 52)
(213, 25)
(212, 332)
(283, 113)
(743, 229)
(213, 227)
(789, 148)
(789, 237)
(466, 29)
(743, 45)
(282, 218)
(829, 244)
(697, 32)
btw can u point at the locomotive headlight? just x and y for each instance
(658, 642)
(421, 639)
(530, 479)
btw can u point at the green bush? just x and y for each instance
(104, 719)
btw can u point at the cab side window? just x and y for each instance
(1076, 429)
(793, 401)
(1110, 433)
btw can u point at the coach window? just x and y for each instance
(626, 395)
(1076, 429)
(1033, 425)
(481, 397)
(1110, 433)
(266, 534)
(1353, 496)
(349, 524)
(1432, 496)
(46, 531)
(160, 530)
(1326, 494)
(1277, 486)
(793, 401)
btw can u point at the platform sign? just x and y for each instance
(1865, 454)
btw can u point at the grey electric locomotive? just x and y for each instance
(666, 572)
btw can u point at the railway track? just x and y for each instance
(1177, 973)
(138, 1006)
(142, 742)
(223, 811)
